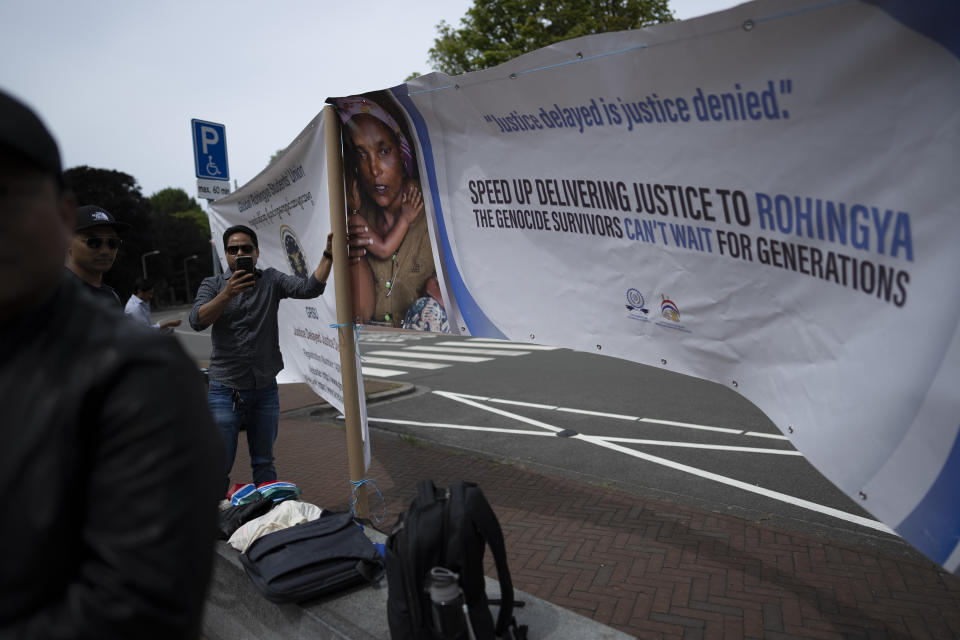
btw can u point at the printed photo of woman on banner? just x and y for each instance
(395, 284)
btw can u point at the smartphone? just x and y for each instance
(245, 263)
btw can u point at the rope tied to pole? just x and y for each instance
(353, 498)
(357, 328)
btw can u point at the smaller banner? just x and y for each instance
(287, 206)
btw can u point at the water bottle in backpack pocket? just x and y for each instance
(434, 568)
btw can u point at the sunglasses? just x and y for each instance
(95, 242)
(246, 248)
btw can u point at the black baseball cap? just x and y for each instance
(92, 215)
(23, 133)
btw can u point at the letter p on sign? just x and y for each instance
(210, 136)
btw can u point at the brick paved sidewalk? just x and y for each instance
(647, 567)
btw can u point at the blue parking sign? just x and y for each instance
(210, 150)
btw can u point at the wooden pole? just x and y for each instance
(341, 275)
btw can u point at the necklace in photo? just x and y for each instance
(390, 284)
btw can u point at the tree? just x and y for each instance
(495, 31)
(181, 230)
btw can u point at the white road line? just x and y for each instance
(768, 493)
(469, 397)
(610, 443)
(501, 344)
(687, 425)
(620, 416)
(694, 445)
(429, 356)
(599, 414)
(396, 362)
(953, 560)
(373, 372)
(774, 436)
(444, 425)
(501, 412)
(517, 403)
(483, 352)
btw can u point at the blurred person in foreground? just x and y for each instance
(110, 461)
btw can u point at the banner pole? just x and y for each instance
(345, 331)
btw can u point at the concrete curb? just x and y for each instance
(402, 389)
(235, 610)
(323, 408)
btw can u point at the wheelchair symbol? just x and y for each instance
(212, 168)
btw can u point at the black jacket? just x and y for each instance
(110, 469)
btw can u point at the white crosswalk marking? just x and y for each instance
(430, 356)
(415, 350)
(374, 372)
(394, 337)
(499, 344)
(483, 352)
(397, 362)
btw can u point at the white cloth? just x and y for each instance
(286, 514)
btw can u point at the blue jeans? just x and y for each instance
(256, 410)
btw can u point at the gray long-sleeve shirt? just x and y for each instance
(246, 346)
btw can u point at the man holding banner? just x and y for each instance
(242, 304)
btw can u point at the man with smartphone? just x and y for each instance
(242, 304)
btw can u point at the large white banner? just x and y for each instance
(764, 197)
(287, 206)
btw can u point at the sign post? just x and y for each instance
(210, 159)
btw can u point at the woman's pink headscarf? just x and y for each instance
(355, 105)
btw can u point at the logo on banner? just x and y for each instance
(669, 309)
(294, 252)
(670, 312)
(636, 305)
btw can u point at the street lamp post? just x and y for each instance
(186, 275)
(143, 260)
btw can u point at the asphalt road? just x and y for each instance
(607, 421)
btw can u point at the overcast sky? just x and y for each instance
(117, 81)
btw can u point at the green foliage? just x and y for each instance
(196, 217)
(181, 230)
(495, 31)
(170, 200)
(275, 156)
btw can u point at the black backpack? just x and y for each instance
(312, 559)
(447, 528)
